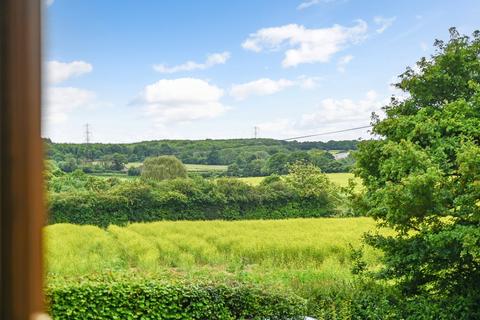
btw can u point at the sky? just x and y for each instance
(137, 70)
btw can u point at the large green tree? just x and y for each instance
(422, 177)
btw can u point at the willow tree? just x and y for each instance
(163, 168)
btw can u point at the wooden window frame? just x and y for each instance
(21, 161)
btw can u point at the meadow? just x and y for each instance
(301, 254)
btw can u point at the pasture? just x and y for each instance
(340, 179)
(298, 253)
(190, 167)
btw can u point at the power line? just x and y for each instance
(325, 133)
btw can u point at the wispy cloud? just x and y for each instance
(61, 71)
(343, 61)
(331, 114)
(383, 23)
(60, 101)
(266, 86)
(307, 4)
(212, 60)
(306, 45)
(260, 87)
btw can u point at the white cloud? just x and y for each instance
(331, 114)
(60, 101)
(61, 71)
(307, 4)
(181, 100)
(343, 61)
(212, 59)
(344, 110)
(266, 86)
(49, 2)
(260, 87)
(306, 45)
(383, 23)
(307, 82)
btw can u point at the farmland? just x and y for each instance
(340, 179)
(300, 254)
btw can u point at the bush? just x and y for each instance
(134, 171)
(143, 299)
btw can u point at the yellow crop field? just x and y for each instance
(280, 251)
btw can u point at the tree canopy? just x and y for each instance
(422, 177)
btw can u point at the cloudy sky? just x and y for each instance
(144, 70)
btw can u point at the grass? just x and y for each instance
(254, 181)
(205, 168)
(297, 253)
(340, 179)
(190, 167)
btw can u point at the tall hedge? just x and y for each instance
(142, 299)
(191, 199)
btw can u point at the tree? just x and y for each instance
(69, 165)
(163, 168)
(422, 178)
(312, 185)
(118, 161)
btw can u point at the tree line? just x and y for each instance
(245, 157)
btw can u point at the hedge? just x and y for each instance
(142, 299)
(185, 199)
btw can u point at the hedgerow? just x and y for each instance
(304, 193)
(150, 299)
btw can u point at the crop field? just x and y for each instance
(298, 253)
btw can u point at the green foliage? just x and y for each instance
(84, 199)
(148, 299)
(246, 157)
(134, 171)
(422, 179)
(163, 168)
(313, 186)
(309, 257)
(208, 151)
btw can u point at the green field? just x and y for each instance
(205, 168)
(297, 253)
(340, 179)
(190, 167)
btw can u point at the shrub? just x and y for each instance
(143, 299)
(134, 171)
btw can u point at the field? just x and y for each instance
(340, 179)
(301, 254)
(190, 167)
(205, 168)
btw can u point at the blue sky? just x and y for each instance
(144, 70)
